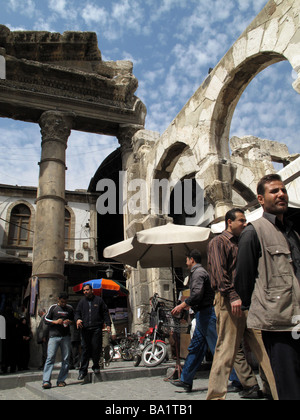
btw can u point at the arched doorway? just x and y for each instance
(230, 95)
(110, 227)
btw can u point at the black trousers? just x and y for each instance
(284, 354)
(91, 348)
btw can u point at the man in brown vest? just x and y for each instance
(231, 321)
(268, 283)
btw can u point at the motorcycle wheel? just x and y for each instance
(155, 357)
(126, 355)
(111, 353)
(137, 360)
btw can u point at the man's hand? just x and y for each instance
(178, 309)
(79, 324)
(236, 308)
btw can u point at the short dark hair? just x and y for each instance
(63, 295)
(196, 255)
(88, 285)
(267, 180)
(231, 215)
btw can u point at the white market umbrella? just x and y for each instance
(162, 246)
(153, 247)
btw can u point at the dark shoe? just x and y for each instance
(253, 393)
(234, 388)
(81, 376)
(268, 397)
(180, 384)
(47, 385)
(61, 384)
(96, 371)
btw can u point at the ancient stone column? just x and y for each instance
(125, 135)
(218, 181)
(48, 247)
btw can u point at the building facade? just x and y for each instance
(17, 232)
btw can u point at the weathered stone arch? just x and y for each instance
(230, 95)
(245, 192)
(204, 123)
(274, 36)
(168, 160)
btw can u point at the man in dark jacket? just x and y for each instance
(201, 301)
(91, 314)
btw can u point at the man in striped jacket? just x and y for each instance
(59, 318)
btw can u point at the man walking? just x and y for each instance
(201, 301)
(59, 318)
(231, 321)
(91, 314)
(268, 281)
(42, 336)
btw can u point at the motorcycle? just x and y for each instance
(140, 344)
(155, 352)
(121, 349)
(151, 348)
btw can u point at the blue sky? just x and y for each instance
(172, 44)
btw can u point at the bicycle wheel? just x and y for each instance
(154, 356)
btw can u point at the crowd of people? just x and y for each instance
(15, 349)
(250, 293)
(254, 272)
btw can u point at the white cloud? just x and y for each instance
(128, 14)
(243, 5)
(294, 75)
(163, 7)
(258, 5)
(84, 155)
(94, 14)
(20, 155)
(58, 6)
(121, 16)
(63, 8)
(25, 7)
(269, 108)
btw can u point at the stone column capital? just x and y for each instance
(56, 126)
(125, 135)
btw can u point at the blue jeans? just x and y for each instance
(65, 345)
(205, 336)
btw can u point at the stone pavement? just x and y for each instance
(120, 382)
